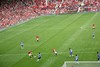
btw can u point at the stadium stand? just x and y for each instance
(16, 11)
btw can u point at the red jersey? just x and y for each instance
(37, 36)
(54, 50)
(93, 25)
(29, 52)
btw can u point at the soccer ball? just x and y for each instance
(34, 56)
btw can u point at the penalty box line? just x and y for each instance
(82, 62)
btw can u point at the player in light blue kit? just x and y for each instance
(98, 55)
(39, 56)
(71, 52)
(76, 58)
(22, 45)
(93, 34)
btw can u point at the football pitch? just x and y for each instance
(81, 64)
(55, 31)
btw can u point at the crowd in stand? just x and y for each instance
(16, 11)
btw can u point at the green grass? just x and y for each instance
(56, 31)
(83, 65)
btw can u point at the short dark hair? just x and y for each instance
(97, 52)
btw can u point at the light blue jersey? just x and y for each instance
(93, 35)
(76, 58)
(22, 45)
(71, 52)
(98, 56)
(39, 56)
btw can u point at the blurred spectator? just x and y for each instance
(15, 11)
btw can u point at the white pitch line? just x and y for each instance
(42, 53)
(83, 62)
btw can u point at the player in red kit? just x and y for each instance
(37, 38)
(93, 26)
(54, 51)
(30, 54)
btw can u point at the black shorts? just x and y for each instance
(98, 58)
(39, 57)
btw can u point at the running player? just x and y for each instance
(76, 58)
(37, 38)
(98, 55)
(93, 26)
(93, 35)
(22, 45)
(39, 56)
(30, 54)
(70, 52)
(55, 52)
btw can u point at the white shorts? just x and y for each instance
(30, 54)
(55, 52)
(37, 39)
(93, 27)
